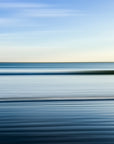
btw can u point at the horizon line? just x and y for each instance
(61, 62)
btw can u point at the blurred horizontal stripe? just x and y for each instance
(57, 122)
(95, 72)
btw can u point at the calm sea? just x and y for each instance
(47, 103)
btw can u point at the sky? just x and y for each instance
(56, 30)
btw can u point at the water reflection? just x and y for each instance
(59, 87)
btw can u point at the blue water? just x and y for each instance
(57, 122)
(56, 69)
(57, 109)
(55, 86)
(59, 65)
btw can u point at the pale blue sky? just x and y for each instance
(56, 30)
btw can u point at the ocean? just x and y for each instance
(56, 103)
